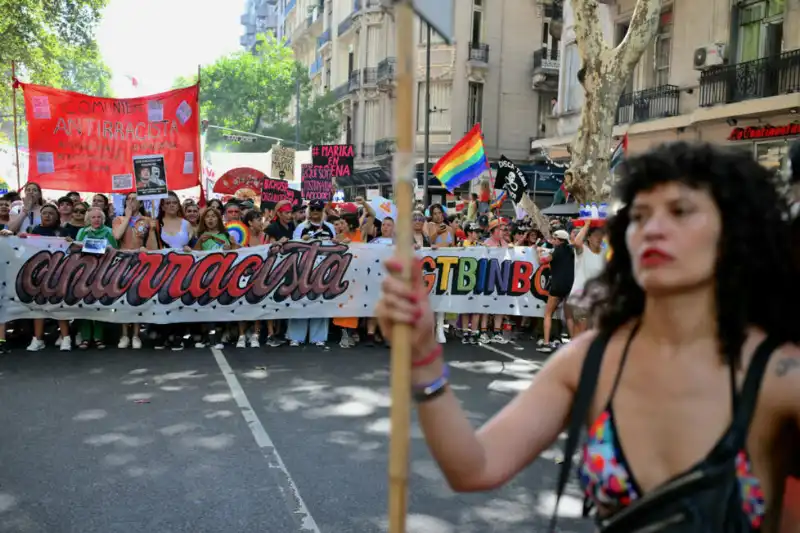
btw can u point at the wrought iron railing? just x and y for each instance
(649, 104)
(479, 52)
(341, 92)
(768, 76)
(554, 10)
(384, 147)
(546, 59)
(367, 150)
(386, 69)
(354, 82)
(370, 76)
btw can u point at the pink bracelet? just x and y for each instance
(430, 358)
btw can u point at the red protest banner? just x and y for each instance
(78, 142)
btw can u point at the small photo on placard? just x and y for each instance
(151, 176)
(155, 111)
(41, 107)
(95, 246)
(45, 163)
(184, 113)
(188, 163)
(121, 182)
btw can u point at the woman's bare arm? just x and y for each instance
(514, 437)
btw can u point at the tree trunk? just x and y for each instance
(604, 73)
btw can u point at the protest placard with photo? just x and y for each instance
(151, 177)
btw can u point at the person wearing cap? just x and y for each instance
(299, 214)
(562, 274)
(315, 228)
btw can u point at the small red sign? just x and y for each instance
(764, 132)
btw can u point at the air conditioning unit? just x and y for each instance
(712, 55)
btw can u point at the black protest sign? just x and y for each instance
(273, 191)
(337, 157)
(511, 178)
(296, 197)
(317, 182)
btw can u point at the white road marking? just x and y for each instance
(510, 356)
(263, 440)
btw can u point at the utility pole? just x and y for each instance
(427, 116)
(297, 109)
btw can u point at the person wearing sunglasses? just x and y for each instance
(76, 222)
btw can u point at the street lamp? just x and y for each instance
(207, 126)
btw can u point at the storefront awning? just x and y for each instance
(364, 178)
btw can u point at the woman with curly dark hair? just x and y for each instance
(692, 370)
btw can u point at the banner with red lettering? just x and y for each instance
(47, 278)
(87, 143)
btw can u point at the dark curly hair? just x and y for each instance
(757, 284)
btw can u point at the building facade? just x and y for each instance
(483, 77)
(260, 16)
(723, 71)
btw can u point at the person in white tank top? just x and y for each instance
(590, 260)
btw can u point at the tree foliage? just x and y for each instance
(255, 93)
(52, 43)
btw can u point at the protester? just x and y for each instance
(562, 274)
(675, 311)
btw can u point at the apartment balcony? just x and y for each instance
(354, 83)
(314, 19)
(291, 4)
(324, 39)
(768, 76)
(341, 92)
(315, 68)
(546, 66)
(367, 151)
(247, 40)
(385, 72)
(362, 5)
(649, 104)
(300, 31)
(370, 77)
(479, 53)
(384, 147)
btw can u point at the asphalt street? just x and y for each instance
(239, 441)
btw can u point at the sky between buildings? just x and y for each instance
(158, 40)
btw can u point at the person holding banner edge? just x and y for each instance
(676, 297)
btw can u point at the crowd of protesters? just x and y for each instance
(575, 254)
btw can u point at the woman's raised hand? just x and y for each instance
(402, 303)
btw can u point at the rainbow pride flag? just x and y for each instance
(464, 162)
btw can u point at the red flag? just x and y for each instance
(78, 142)
(133, 79)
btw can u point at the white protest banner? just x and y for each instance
(298, 279)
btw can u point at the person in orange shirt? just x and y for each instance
(347, 232)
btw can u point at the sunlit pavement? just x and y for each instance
(239, 441)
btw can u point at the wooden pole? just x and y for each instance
(404, 177)
(14, 107)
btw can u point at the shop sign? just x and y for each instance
(764, 132)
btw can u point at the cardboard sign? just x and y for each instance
(273, 191)
(317, 182)
(336, 157)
